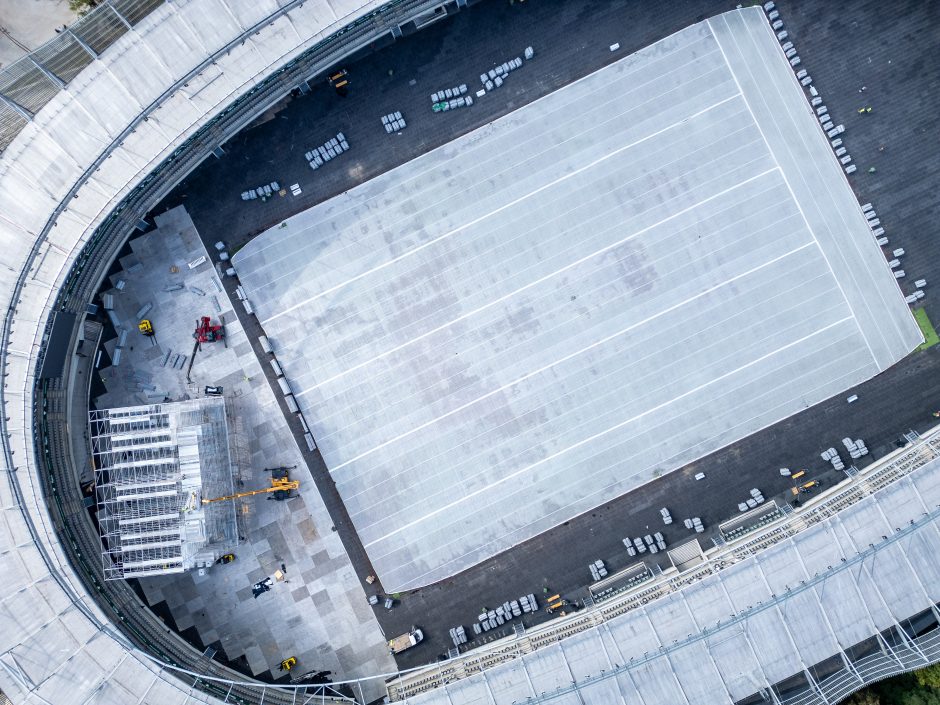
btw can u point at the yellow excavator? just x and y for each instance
(280, 489)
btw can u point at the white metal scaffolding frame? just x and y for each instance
(153, 465)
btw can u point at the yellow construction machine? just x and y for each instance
(280, 489)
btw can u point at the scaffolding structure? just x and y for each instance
(153, 466)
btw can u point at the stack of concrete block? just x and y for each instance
(697, 525)
(598, 570)
(660, 540)
(394, 122)
(832, 455)
(856, 448)
(667, 517)
(330, 149)
(458, 635)
(450, 99)
(262, 192)
(495, 76)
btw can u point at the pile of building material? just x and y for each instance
(394, 122)
(495, 76)
(330, 149)
(598, 570)
(505, 612)
(856, 448)
(262, 192)
(832, 455)
(654, 543)
(451, 98)
(756, 499)
(458, 635)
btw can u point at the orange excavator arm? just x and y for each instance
(276, 485)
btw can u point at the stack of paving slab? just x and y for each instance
(598, 570)
(654, 543)
(505, 612)
(394, 122)
(756, 499)
(458, 635)
(265, 191)
(330, 149)
(494, 78)
(667, 517)
(694, 524)
(451, 98)
(856, 448)
(832, 455)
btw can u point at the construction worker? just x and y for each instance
(862, 111)
(936, 414)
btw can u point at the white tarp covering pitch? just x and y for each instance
(638, 269)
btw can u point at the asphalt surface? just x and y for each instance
(889, 48)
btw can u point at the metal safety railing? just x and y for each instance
(888, 470)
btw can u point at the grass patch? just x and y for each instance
(926, 327)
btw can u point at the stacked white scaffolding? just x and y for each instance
(153, 466)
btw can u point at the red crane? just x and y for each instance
(205, 333)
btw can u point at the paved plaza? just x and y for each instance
(503, 333)
(319, 614)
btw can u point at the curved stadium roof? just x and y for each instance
(127, 112)
(69, 165)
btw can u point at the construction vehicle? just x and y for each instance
(225, 558)
(280, 489)
(146, 327)
(405, 641)
(805, 488)
(205, 333)
(339, 81)
(288, 663)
